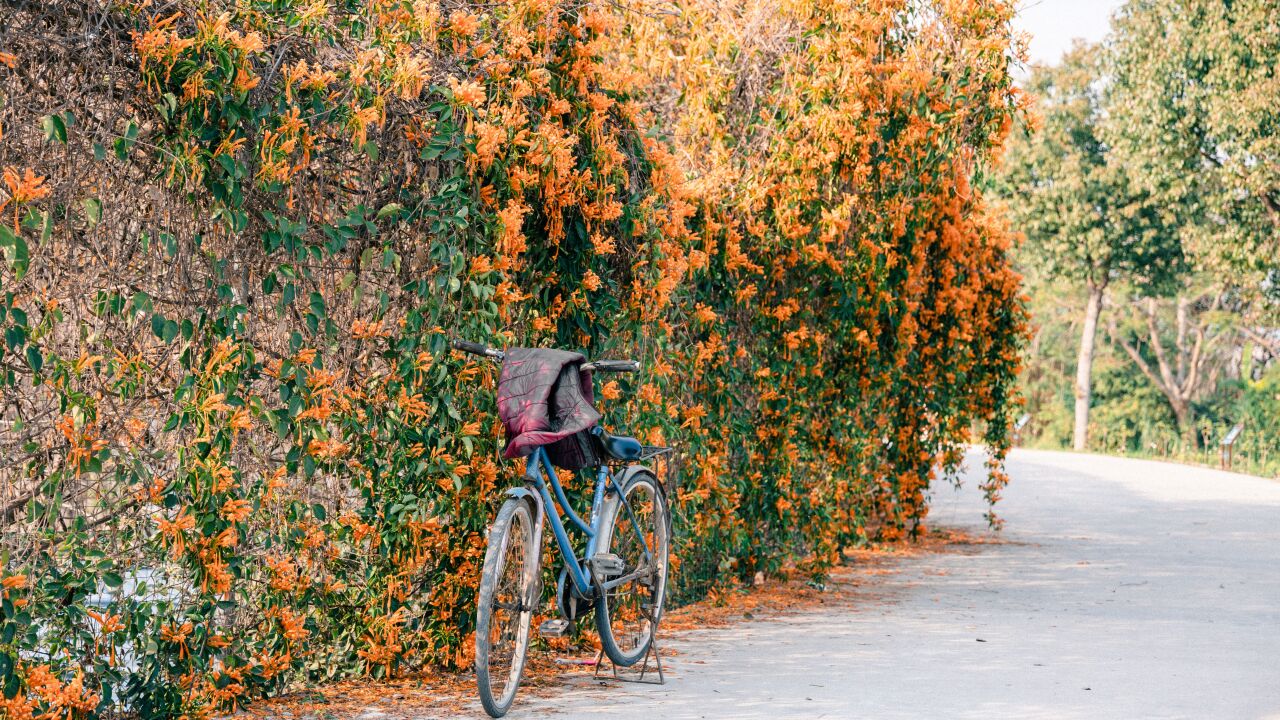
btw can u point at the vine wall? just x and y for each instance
(238, 236)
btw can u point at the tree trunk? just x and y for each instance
(1186, 417)
(1084, 366)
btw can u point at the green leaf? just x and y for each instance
(112, 580)
(54, 128)
(92, 210)
(15, 337)
(388, 210)
(124, 144)
(317, 304)
(34, 358)
(15, 249)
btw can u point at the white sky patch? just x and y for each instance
(1054, 24)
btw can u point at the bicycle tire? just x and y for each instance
(512, 532)
(626, 645)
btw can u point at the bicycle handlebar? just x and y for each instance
(615, 366)
(477, 349)
(612, 366)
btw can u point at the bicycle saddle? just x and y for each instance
(618, 447)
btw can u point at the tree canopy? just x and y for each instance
(1085, 217)
(1194, 91)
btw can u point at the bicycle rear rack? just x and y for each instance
(648, 452)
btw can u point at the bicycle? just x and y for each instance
(621, 577)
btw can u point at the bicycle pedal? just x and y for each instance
(555, 627)
(607, 564)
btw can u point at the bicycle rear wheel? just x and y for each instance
(505, 606)
(630, 606)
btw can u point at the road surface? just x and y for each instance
(1128, 589)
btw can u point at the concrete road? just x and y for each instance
(1130, 589)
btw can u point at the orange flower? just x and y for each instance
(236, 510)
(512, 243)
(214, 403)
(327, 449)
(292, 625)
(274, 483)
(413, 406)
(228, 538)
(649, 393)
(361, 119)
(468, 93)
(109, 623)
(369, 329)
(174, 531)
(603, 245)
(463, 23)
(489, 140)
(273, 665)
(246, 81)
(240, 421)
(24, 188)
(178, 636)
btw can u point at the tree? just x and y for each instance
(1192, 105)
(1083, 217)
(1185, 366)
(1193, 99)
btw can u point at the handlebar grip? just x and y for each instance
(470, 347)
(615, 366)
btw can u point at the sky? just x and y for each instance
(1053, 24)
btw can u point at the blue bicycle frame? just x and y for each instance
(539, 465)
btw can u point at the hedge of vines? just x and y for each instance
(238, 236)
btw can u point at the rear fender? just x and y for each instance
(623, 478)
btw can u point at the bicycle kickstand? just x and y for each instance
(652, 651)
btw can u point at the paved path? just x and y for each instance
(1130, 589)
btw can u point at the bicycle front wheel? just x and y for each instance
(636, 528)
(505, 606)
